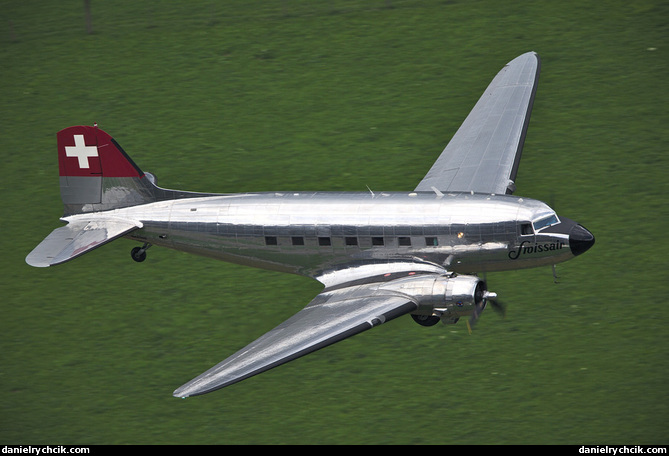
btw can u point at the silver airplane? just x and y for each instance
(379, 255)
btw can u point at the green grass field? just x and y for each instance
(334, 95)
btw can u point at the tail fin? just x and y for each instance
(96, 174)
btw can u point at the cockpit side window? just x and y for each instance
(545, 222)
(526, 229)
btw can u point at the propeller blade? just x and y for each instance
(498, 307)
(488, 298)
(478, 310)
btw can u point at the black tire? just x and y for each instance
(138, 254)
(426, 320)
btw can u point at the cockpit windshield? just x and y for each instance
(545, 222)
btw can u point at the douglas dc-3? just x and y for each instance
(379, 255)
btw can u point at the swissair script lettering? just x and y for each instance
(526, 247)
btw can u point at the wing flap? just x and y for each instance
(484, 153)
(78, 237)
(331, 317)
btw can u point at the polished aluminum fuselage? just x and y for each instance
(313, 233)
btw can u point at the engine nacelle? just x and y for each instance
(445, 298)
(462, 295)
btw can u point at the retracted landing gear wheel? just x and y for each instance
(138, 254)
(426, 320)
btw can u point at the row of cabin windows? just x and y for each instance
(403, 241)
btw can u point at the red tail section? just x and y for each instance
(96, 174)
(90, 152)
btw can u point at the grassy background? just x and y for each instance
(333, 95)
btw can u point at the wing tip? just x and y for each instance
(35, 263)
(179, 395)
(191, 389)
(207, 382)
(526, 56)
(184, 391)
(530, 53)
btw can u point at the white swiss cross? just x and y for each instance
(81, 151)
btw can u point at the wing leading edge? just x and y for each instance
(484, 153)
(332, 316)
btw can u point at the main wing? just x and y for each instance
(333, 315)
(484, 153)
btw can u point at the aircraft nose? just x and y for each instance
(580, 239)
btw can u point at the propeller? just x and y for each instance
(487, 297)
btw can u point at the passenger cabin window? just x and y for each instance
(545, 222)
(270, 240)
(297, 240)
(351, 240)
(377, 241)
(323, 241)
(404, 241)
(431, 241)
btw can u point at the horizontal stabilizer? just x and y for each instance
(77, 238)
